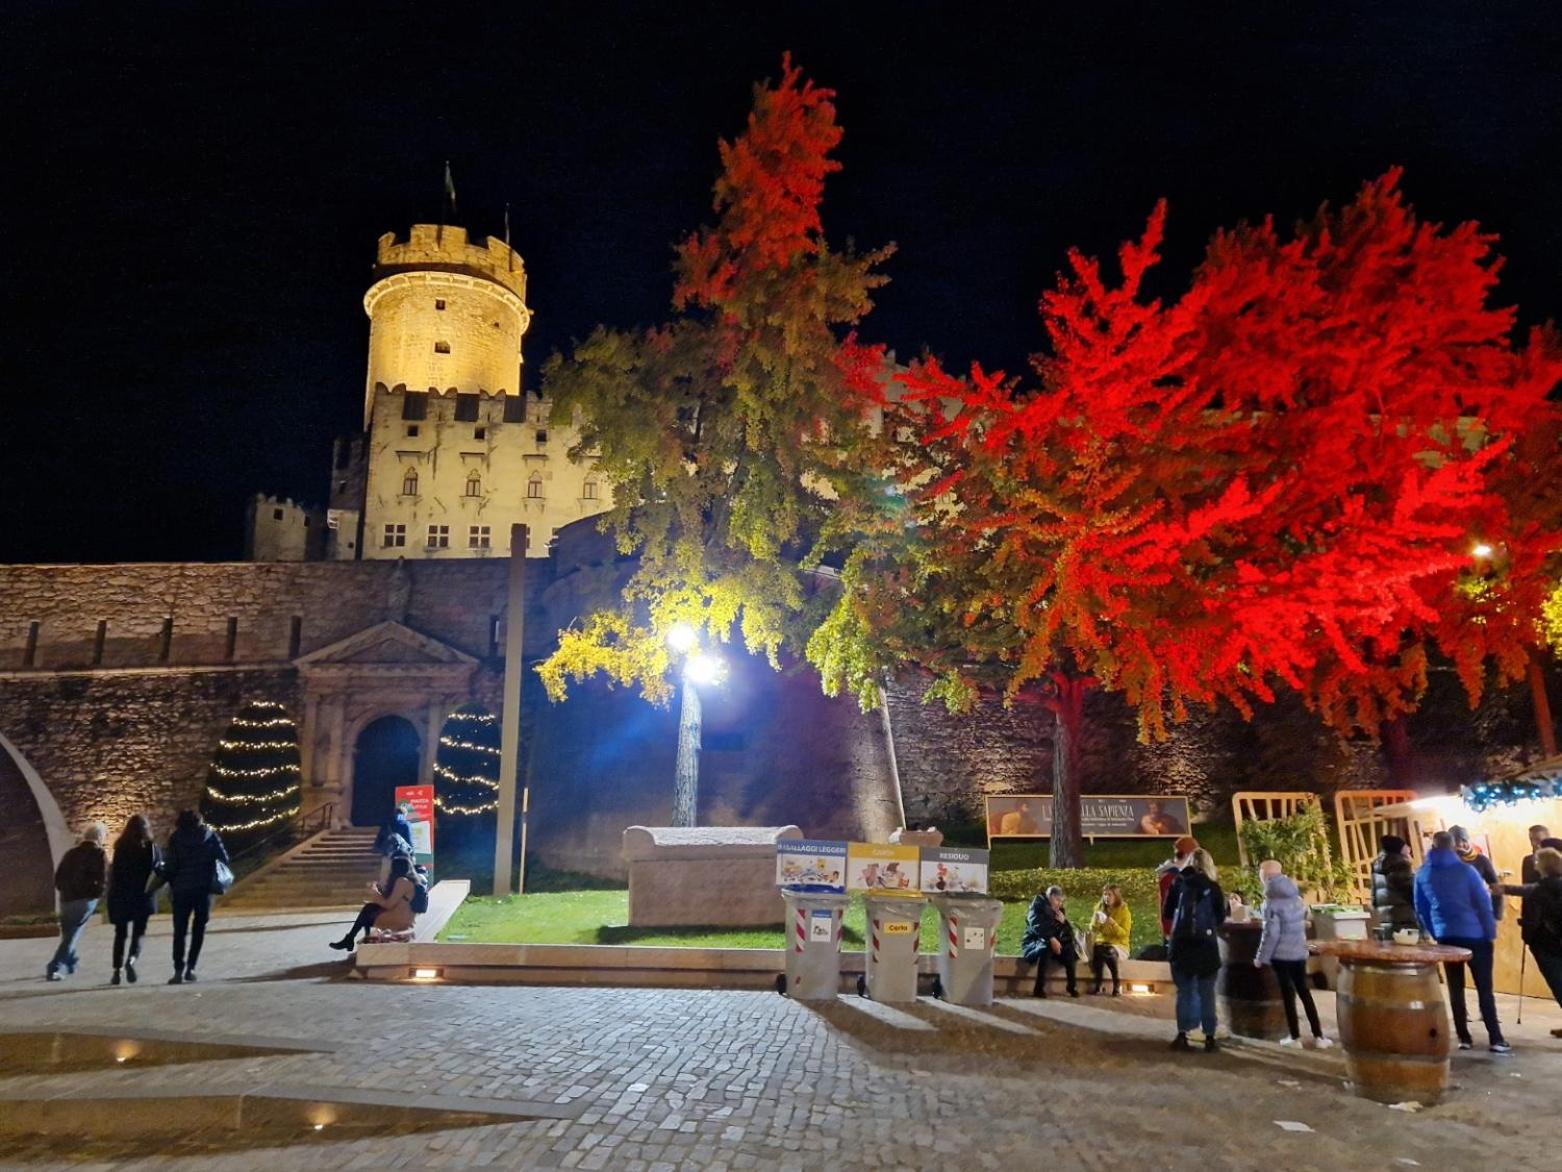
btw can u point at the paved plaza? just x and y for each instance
(641, 1079)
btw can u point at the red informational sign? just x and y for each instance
(419, 800)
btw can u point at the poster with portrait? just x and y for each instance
(806, 864)
(1100, 816)
(953, 870)
(883, 869)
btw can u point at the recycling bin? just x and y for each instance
(967, 936)
(894, 934)
(813, 953)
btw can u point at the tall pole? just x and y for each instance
(510, 721)
(686, 774)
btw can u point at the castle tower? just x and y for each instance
(454, 451)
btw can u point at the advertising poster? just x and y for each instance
(1100, 816)
(881, 869)
(420, 800)
(805, 864)
(952, 869)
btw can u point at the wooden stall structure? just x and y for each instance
(1360, 822)
(1251, 805)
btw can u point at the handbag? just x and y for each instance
(222, 877)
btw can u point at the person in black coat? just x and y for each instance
(190, 866)
(1394, 884)
(1543, 917)
(1196, 907)
(1049, 939)
(130, 904)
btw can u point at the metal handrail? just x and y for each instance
(294, 830)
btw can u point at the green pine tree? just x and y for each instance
(466, 779)
(252, 785)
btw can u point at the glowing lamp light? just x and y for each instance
(681, 637)
(704, 668)
(427, 974)
(1481, 550)
(1140, 988)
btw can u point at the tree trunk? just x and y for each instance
(1066, 848)
(686, 775)
(1396, 749)
(1537, 691)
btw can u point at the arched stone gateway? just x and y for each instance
(384, 671)
(33, 836)
(386, 754)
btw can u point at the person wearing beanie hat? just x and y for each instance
(1168, 871)
(1393, 884)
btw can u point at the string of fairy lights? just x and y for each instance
(1487, 795)
(265, 792)
(450, 771)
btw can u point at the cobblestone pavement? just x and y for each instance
(670, 1079)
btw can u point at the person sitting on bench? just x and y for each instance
(390, 908)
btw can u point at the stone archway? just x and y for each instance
(387, 753)
(33, 836)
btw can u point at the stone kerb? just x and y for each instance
(722, 876)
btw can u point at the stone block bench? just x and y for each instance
(711, 876)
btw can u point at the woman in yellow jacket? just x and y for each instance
(1110, 927)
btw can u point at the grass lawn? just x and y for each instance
(601, 917)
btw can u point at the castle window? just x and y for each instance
(409, 483)
(589, 491)
(439, 303)
(479, 433)
(542, 437)
(276, 514)
(414, 406)
(466, 408)
(477, 537)
(395, 536)
(412, 430)
(441, 347)
(534, 487)
(474, 485)
(514, 409)
(439, 536)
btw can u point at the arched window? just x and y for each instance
(409, 482)
(534, 487)
(474, 485)
(589, 491)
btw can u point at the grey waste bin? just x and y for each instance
(813, 945)
(967, 935)
(894, 934)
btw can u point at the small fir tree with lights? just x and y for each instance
(466, 779)
(252, 784)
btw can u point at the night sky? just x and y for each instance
(194, 191)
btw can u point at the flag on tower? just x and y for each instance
(450, 188)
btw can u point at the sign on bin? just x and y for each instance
(821, 925)
(975, 939)
(951, 870)
(805, 864)
(898, 927)
(882, 869)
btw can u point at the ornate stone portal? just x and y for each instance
(384, 670)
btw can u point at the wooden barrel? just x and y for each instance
(1394, 1027)
(1248, 997)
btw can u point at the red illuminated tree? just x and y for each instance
(1276, 479)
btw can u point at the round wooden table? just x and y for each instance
(1393, 1019)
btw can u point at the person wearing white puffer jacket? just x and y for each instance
(1284, 946)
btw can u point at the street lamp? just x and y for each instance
(700, 669)
(1481, 551)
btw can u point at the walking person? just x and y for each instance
(1454, 904)
(1529, 875)
(130, 904)
(1543, 918)
(1112, 925)
(1196, 907)
(389, 907)
(1283, 946)
(1049, 939)
(1394, 884)
(190, 866)
(79, 880)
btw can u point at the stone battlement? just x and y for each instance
(447, 248)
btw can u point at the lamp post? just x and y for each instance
(699, 669)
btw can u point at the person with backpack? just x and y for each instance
(79, 879)
(390, 907)
(130, 904)
(1284, 946)
(394, 838)
(1166, 874)
(195, 864)
(1454, 904)
(1196, 907)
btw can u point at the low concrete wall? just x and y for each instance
(721, 876)
(620, 965)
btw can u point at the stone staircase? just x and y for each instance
(328, 871)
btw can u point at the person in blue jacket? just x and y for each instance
(1454, 904)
